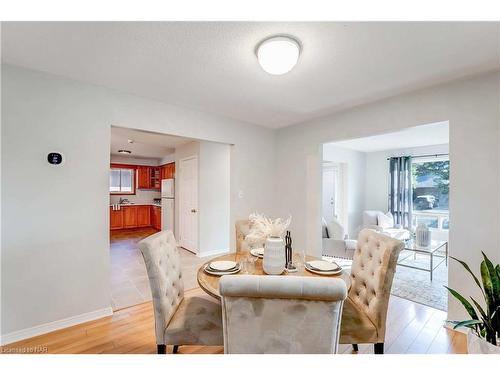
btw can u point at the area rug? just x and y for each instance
(415, 285)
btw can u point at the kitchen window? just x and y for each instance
(121, 181)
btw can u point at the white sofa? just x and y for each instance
(335, 242)
(384, 223)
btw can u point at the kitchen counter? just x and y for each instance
(137, 204)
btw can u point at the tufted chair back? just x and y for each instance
(163, 265)
(279, 314)
(373, 268)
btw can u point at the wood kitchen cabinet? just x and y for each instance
(129, 216)
(156, 217)
(139, 216)
(155, 178)
(168, 171)
(116, 219)
(143, 177)
(143, 216)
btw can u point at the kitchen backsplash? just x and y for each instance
(141, 197)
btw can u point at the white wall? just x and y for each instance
(214, 196)
(472, 108)
(55, 249)
(356, 172)
(377, 172)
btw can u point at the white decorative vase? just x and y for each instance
(274, 256)
(478, 345)
(423, 236)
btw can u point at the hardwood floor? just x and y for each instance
(412, 328)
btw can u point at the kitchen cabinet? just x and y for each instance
(116, 219)
(168, 171)
(139, 216)
(156, 217)
(155, 176)
(129, 216)
(149, 177)
(143, 216)
(143, 177)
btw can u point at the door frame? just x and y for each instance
(180, 203)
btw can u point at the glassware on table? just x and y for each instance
(248, 264)
(299, 259)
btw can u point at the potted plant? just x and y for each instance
(484, 326)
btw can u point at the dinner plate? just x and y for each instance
(208, 270)
(324, 273)
(222, 265)
(213, 270)
(259, 253)
(323, 265)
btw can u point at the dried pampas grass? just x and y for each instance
(263, 227)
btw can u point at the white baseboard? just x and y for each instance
(54, 326)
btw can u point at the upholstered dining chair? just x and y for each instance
(279, 314)
(179, 320)
(365, 309)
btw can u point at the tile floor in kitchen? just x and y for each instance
(129, 279)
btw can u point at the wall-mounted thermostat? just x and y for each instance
(55, 158)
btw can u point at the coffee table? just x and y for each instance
(434, 251)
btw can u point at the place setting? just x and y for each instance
(222, 267)
(323, 267)
(258, 252)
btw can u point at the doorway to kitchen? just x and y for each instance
(147, 196)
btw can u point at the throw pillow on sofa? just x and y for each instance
(385, 220)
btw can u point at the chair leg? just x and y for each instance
(176, 349)
(379, 348)
(355, 347)
(162, 349)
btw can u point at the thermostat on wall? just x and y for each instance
(55, 158)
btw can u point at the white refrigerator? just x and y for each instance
(167, 204)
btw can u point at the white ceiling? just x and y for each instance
(424, 135)
(145, 145)
(211, 66)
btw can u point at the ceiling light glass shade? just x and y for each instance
(278, 55)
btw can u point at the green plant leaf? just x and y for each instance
(488, 288)
(495, 280)
(487, 320)
(465, 303)
(467, 323)
(466, 266)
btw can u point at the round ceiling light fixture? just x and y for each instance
(278, 54)
(127, 152)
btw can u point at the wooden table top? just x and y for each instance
(210, 283)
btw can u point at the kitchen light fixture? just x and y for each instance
(278, 54)
(124, 152)
(130, 141)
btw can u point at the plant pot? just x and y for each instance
(274, 256)
(478, 345)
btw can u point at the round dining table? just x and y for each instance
(251, 265)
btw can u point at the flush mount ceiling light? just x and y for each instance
(278, 54)
(124, 152)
